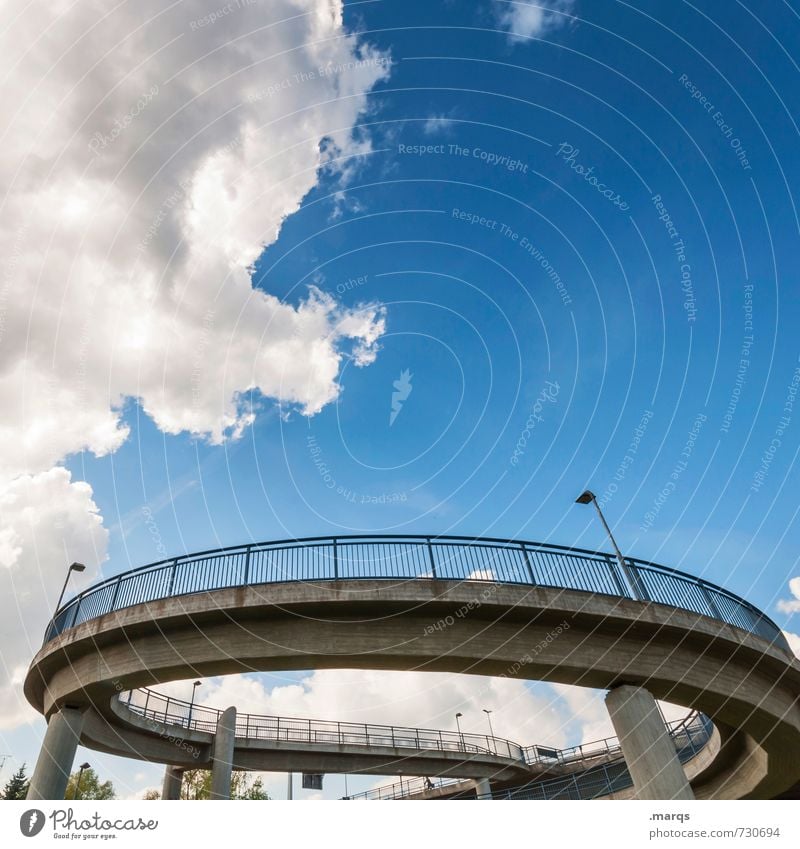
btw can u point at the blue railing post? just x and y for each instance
(613, 568)
(430, 557)
(75, 615)
(172, 572)
(113, 606)
(528, 563)
(635, 580)
(247, 566)
(709, 599)
(335, 560)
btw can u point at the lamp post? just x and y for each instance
(491, 730)
(458, 725)
(73, 567)
(489, 718)
(588, 497)
(77, 793)
(191, 703)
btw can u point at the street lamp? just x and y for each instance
(74, 567)
(191, 703)
(458, 725)
(491, 730)
(77, 793)
(489, 718)
(588, 497)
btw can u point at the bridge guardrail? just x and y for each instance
(170, 711)
(406, 557)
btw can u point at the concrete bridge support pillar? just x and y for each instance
(222, 756)
(646, 745)
(57, 754)
(483, 789)
(173, 780)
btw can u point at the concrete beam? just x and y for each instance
(173, 781)
(57, 755)
(222, 757)
(646, 745)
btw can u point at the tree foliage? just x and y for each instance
(91, 787)
(16, 786)
(197, 785)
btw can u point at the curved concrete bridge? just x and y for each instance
(474, 606)
(285, 744)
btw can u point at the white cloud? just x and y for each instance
(48, 522)
(794, 641)
(588, 709)
(791, 605)
(143, 182)
(150, 152)
(530, 19)
(437, 125)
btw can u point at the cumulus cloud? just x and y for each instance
(587, 708)
(523, 19)
(150, 153)
(48, 521)
(794, 641)
(791, 605)
(435, 125)
(149, 156)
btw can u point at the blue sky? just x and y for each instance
(481, 326)
(645, 157)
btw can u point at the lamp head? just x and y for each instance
(459, 715)
(76, 567)
(585, 497)
(86, 766)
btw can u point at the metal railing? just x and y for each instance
(406, 787)
(690, 735)
(692, 724)
(156, 707)
(404, 557)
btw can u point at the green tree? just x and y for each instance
(151, 794)
(17, 786)
(91, 787)
(252, 791)
(197, 785)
